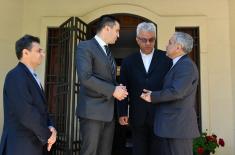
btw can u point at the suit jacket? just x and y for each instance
(134, 76)
(95, 100)
(26, 119)
(175, 115)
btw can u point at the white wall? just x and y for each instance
(232, 42)
(217, 40)
(11, 15)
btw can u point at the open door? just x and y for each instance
(62, 84)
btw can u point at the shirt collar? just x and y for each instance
(32, 72)
(175, 60)
(100, 41)
(147, 55)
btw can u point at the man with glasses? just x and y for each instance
(27, 126)
(145, 68)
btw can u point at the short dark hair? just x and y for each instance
(25, 42)
(106, 20)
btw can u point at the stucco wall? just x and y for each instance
(232, 41)
(11, 12)
(215, 62)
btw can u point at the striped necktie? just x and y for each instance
(111, 60)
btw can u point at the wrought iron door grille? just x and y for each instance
(62, 85)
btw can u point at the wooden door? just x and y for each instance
(195, 56)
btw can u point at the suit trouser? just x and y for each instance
(96, 137)
(26, 147)
(171, 146)
(144, 141)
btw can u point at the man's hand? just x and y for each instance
(146, 95)
(52, 139)
(123, 120)
(120, 92)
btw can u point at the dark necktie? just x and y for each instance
(111, 60)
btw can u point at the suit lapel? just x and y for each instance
(100, 51)
(180, 60)
(40, 90)
(177, 63)
(154, 61)
(139, 63)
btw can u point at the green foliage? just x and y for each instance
(206, 144)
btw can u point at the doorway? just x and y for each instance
(124, 46)
(195, 56)
(61, 98)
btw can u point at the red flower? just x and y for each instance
(212, 138)
(200, 150)
(221, 142)
(213, 135)
(207, 144)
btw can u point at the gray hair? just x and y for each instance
(185, 40)
(144, 26)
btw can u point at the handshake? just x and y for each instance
(146, 95)
(120, 93)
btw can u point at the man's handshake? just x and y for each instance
(120, 92)
(146, 95)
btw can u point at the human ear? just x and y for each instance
(25, 52)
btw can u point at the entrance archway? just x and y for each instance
(58, 98)
(125, 45)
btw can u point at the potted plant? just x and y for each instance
(206, 144)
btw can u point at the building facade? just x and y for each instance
(215, 20)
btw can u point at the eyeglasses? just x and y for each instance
(145, 40)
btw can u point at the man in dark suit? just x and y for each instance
(27, 127)
(145, 68)
(97, 76)
(175, 119)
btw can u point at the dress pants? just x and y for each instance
(144, 140)
(96, 137)
(171, 146)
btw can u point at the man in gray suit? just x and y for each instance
(175, 119)
(98, 89)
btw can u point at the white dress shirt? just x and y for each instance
(147, 58)
(101, 43)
